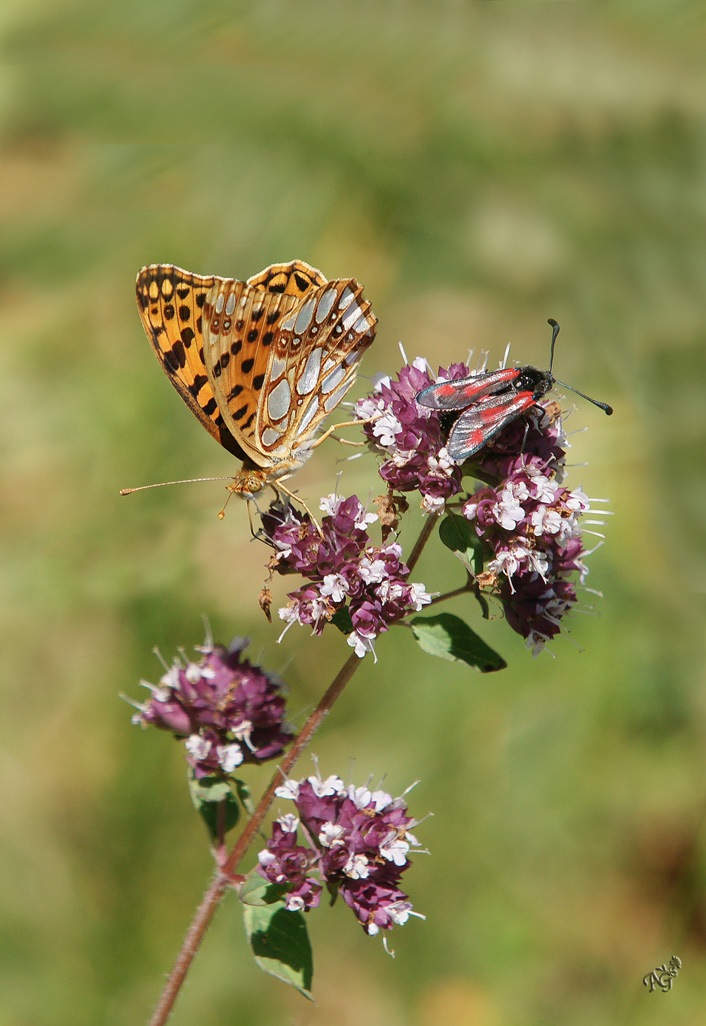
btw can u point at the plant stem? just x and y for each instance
(223, 877)
(451, 594)
(424, 536)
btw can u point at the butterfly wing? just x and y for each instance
(170, 302)
(483, 420)
(456, 395)
(293, 279)
(281, 352)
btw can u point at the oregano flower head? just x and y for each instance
(363, 586)
(355, 841)
(226, 710)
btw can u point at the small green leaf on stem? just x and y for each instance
(342, 619)
(279, 940)
(216, 804)
(459, 535)
(448, 637)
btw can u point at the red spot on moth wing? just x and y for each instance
(455, 395)
(483, 420)
(492, 409)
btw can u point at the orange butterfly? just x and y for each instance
(261, 363)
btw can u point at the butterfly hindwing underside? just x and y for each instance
(260, 363)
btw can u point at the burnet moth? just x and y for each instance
(490, 400)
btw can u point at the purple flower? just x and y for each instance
(411, 436)
(531, 525)
(357, 842)
(228, 711)
(345, 571)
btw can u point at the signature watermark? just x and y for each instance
(663, 976)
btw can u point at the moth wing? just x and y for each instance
(456, 395)
(483, 420)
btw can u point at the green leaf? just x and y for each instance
(342, 619)
(459, 535)
(476, 470)
(448, 637)
(255, 890)
(243, 792)
(279, 940)
(216, 804)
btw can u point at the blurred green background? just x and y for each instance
(479, 166)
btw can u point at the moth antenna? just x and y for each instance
(163, 484)
(555, 331)
(596, 402)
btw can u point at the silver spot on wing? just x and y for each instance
(333, 400)
(306, 420)
(304, 316)
(310, 374)
(279, 400)
(351, 317)
(346, 298)
(270, 436)
(332, 380)
(325, 305)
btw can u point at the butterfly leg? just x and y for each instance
(279, 487)
(337, 427)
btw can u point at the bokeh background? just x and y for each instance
(479, 166)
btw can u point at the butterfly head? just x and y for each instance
(252, 479)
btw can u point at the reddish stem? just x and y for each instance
(223, 877)
(221, 880)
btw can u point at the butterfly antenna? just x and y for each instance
(164, 484)
(596, 402)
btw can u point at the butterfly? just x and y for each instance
(261, 363)
(490, 400)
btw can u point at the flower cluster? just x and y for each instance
(529, 522)
(227, 710)
(345, 571)
(531, 525)
(357, 842)
(410, 436)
